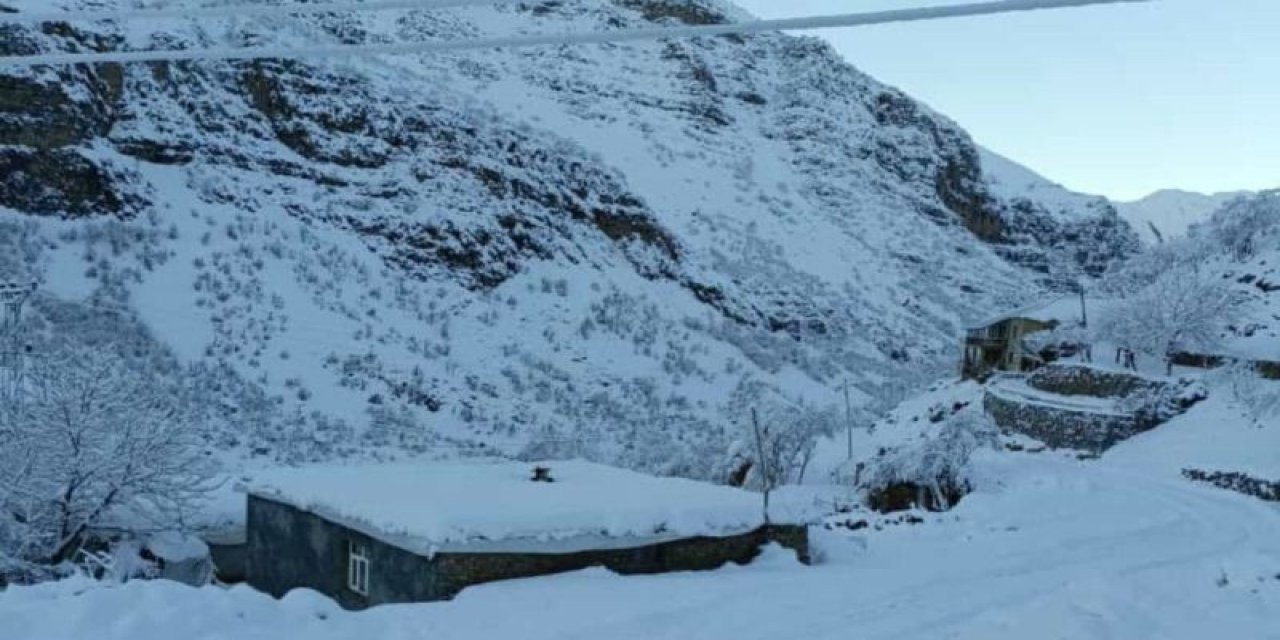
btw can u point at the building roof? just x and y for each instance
(494, 506)
(1064, 310)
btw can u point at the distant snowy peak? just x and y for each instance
(1012, 181)
(1169, 213)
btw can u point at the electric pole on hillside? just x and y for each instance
(13, 295)
(1084, 309)
(848, 418)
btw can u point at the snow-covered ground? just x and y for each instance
(1048, 548)
(1168, 214)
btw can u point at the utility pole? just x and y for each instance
(1084, 311)
(848, 418)
(12, 359)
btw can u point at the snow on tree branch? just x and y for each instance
(96, 440)
(1183, 309)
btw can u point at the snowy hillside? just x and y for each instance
(1241, 244)
(1237, 246)
(601, 251)
(1170, 213)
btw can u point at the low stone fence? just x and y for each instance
(1079, 380)
(1238, 482)
(1140, 404)
(1062, 428)
(1268, 369)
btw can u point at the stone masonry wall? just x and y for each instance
(1238, 482)
(1078, 380)
(457, 571)
(288, 548)
(1060, 428)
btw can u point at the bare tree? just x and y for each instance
(783, 445)
(98, 438)
(1182, 309)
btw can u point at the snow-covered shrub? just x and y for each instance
(1244, 225)
(776, 437)
(1257, 395)
(550, 443)
(933, 474)
(122, 562)
(775, 444)
(94, 438)
(1156, 404)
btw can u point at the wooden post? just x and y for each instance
(848, 419)
(766, 477)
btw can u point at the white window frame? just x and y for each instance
(358, 567)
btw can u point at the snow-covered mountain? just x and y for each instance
(605, 251)
(1170, 213)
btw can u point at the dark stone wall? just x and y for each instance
(1238, 482)
(290, 548)
(1266, 368)
(460, 570)
(1062, 429)
(1071, 380)
(229, 561)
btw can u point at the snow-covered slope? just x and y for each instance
(1241, 244)
(1170, 213)
(603, 251)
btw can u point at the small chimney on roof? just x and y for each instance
(542, 474)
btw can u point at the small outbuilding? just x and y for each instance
(377, 534)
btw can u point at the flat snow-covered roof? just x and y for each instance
(494, 506)
(1065, 310)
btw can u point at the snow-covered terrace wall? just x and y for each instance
(1060, 427)
(1082, 407)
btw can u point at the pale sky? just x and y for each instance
(1117, 100)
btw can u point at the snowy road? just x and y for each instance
(1064, 550)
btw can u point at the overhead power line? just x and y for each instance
(594, 37)
(243, 10)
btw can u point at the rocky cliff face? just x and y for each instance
(607, 251)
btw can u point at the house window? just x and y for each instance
(358, 567)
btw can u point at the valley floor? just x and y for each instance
(1050, 547)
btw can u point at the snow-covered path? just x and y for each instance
(1063, 550)
(1015, 388)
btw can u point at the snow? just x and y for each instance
(441, 506)
(1171, 212)
(1013, 181)
(1048, 548)
(1214, 435)
(1014, 387)
(1065, 310)
(173, 546)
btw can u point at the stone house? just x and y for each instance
(998, 346)
(384, 534)
(999, 343)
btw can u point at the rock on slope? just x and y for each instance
(604, 251)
